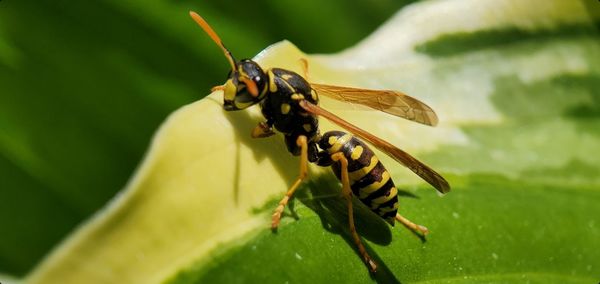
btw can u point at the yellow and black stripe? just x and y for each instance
(369, 179)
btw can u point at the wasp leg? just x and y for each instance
(262, 130)
(347, 192)
(218, 88)
(303, 144)
(304, 64)
(419, 229)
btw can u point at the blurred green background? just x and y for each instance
(84, 84)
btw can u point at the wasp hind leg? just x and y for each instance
(302, 142)
(347, 192)
(416, 228)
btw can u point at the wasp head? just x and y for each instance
(246, 86)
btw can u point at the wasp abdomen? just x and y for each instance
(369, 179)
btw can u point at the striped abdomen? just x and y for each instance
(369, 179)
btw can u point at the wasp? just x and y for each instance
(290, 106)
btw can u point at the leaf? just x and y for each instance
(84, 85)
(518, 121)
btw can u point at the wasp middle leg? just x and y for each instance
(304, 65)
(302, 142)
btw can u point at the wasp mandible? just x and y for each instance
(289, 104)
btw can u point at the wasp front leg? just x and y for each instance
(302, 142)
(347, 192)
(262, 130)
(218, 88)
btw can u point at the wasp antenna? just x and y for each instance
(213, 35)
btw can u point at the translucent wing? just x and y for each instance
(392, 102)
(422, 170)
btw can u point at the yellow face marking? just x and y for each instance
(241, 105)
(272, 85)
(313, 95)
(356, 152)
(365, 191)
(339, 143)
(358, 174)
(285, 108)
(383, 199)
(230, 90)
(332, 140)
(307, 127)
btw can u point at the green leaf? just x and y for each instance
(518, 129)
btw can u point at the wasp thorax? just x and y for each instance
(246, 86)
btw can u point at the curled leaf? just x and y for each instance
(197, 209)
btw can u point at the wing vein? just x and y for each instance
(391, 102)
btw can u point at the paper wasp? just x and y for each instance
(289, 104)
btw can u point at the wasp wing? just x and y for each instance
(392, 102)
(422, 170)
